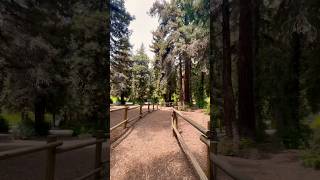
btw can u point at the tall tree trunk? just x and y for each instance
(39, 112)
(260, 129)
(187, 76)
(295, 90)
(211, 66)
(228, 99)
(122, 101)
(247, 123)
(103, 70)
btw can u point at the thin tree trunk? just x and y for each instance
(181, 83)
(122, 99)
(247, 123)
(187, 75)
(53, 119)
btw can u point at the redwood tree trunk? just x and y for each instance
(187, 76)
(295, 90)
(247, 124)
(228, 99)
(39, 112)
(211, 66)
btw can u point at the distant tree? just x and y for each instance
(140, 76)
(121, 63)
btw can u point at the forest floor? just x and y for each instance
(148, 150)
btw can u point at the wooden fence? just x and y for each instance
(140, 115)
(54, 147)
(214, 160)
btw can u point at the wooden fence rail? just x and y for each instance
(54, 147)
(125, 115)
(214, 160)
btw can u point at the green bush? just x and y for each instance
(4, 125)
(311, 156)
(24, 129)
(246, 143)
(114, 99)
(78, 130)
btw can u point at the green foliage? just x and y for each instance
(60, 59)
(207, 105)
(12, 118)
(175, 97)
(24, 129)
(316, 122)
(114, 99)
(311, 156)
(296, 138)
(4, 125)
(246, 143)
(141, 76)
(78, 130)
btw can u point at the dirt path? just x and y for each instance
(150, 152)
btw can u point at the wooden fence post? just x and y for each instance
(152, 106)
(213, 148)
(125, 117)
(172, 122)
(176, 120)
(98, 163)
(51, 158)
(157, 106)
(140, 111)
(148, 107)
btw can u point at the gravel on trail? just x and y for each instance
(150, 152)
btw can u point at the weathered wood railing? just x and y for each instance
(127, 109)
(54, 147)
(214, 160)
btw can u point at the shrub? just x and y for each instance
(311, 156)
(24, 129)
(4, 125)
(246, 143)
